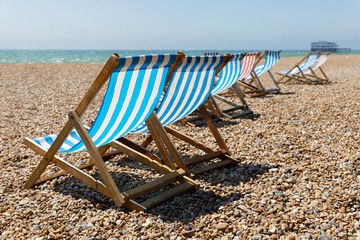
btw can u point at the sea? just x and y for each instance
(101, 56)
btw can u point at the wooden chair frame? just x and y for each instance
(287, 78)
(108, 186)
(170, 155)
(312, 77)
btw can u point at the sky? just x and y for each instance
(177, 24)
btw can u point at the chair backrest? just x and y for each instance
(271, 58)
(247, 64)
(320, 61)
(309, 61)
(188, 89)
(229, 74)
(211, 53)
(133, 91)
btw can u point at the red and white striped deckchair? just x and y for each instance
(238, 68)
(271, 58)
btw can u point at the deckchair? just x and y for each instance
(133, 91)
(310, 72)
(239, 67)
(298, 70)
(271, 58)
(188, 89)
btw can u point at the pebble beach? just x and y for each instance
(298, 175)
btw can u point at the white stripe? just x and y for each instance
(44, 143)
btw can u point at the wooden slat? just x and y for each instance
(154, 185)
(225, 101)
(204, 158)
(213, 166)
(139, 148)
(189, 140)
(236, 108)
(147, 141)
(55, 175)
(131, 204)
(140, 157)
(166, 195)
(251, 87)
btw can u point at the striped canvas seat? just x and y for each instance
(188, 89)
(247, 64)
(133, 91)
(309, 61)
(320, 61)
(229, 74)
(271, 58)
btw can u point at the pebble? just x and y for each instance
(222, 226)
(298, 163)
(323, 236)
(256, 237)
(258, 210)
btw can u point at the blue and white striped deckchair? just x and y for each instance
(293, 72)
(312, 77)
(229, 75)
(271, 58)
(188, 89)
(133, 91)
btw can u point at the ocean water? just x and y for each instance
(101, 56)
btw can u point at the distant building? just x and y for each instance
(324, 46)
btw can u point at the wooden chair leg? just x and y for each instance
(49, 155)
(97, 158)
(212, 107)
(240, 94)
(324, 74)
(260, 87)
(220, 141)
(218, 109)
(159, 132)
(159, 143)
(273, 79)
